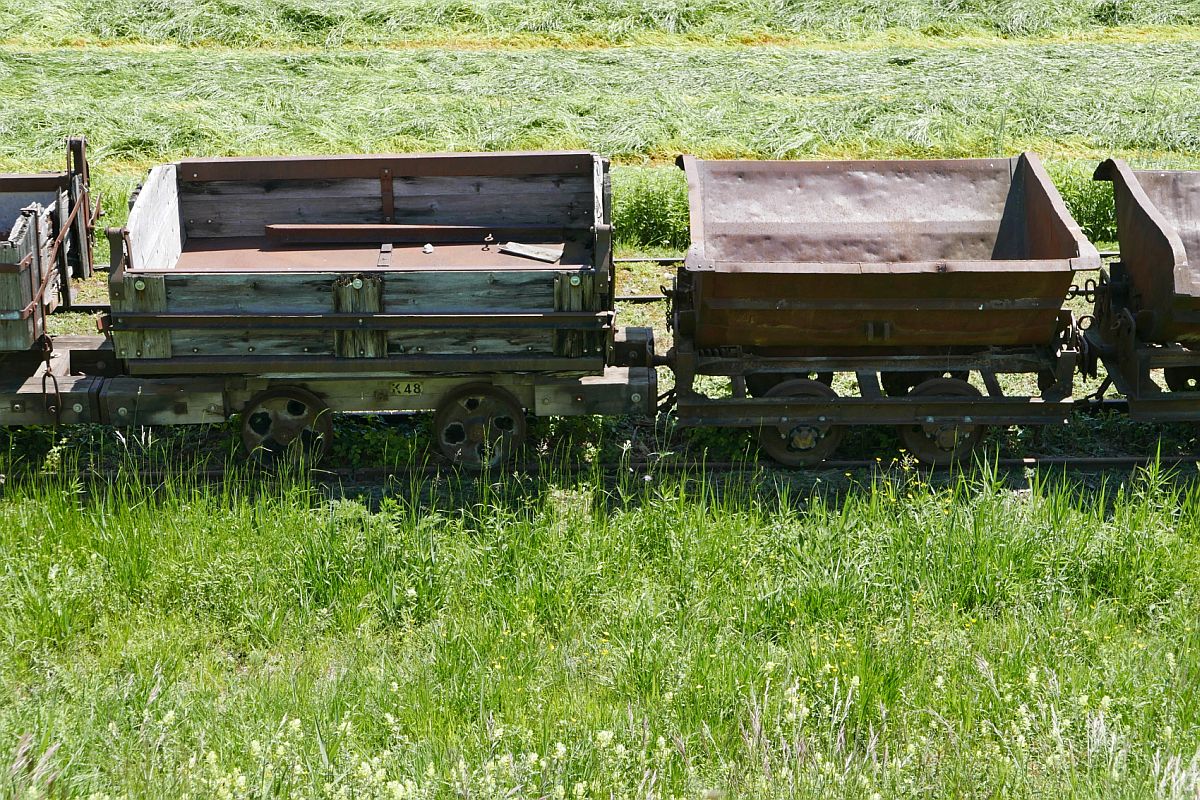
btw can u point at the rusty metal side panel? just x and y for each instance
(1153, 253)
(782, 312)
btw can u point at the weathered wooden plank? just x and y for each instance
(23, 402)
(254, 294)
(156, 234)
(144, 292)
(250, 343)
(258, 343)
(408, 186)
(470, 342)
(359, 293)
(311, 292)
(218, 216)
(209, 216)
(162, 401)
(575, 291)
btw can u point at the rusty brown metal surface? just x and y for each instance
(258, 255)
(1158, 226)
(882, 254)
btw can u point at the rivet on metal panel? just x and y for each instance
(195, 349)
(122, 412)
(635, 397)
(356, 283)
(139, 353)
(574, 280)
(250, 349)
(578, 398)
(18, 408)
(210, 222)
(139, 284)
(77, 408)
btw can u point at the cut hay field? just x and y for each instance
(610, 633)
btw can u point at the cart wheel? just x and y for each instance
(479, 425)
(804, 443)
(899, 384)
(942, 442)
(759, 384)
(287, 424)
(1182, 379)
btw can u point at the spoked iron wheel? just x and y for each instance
(803, 443)
(899, 384)
(759, 384)
(939, 443)
(1182, 379)
(288, 424)
(479, 426)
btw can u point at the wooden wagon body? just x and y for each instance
(454, 264)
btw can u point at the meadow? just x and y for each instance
(600, 636)
(616, 630)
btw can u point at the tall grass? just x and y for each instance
(601, 637)
(640, 103)
(285, 23)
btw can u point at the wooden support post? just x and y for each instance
(359, 293)
(141, 293)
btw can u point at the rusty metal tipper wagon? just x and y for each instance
(475, 285)
(1148, 304)
(909, 274)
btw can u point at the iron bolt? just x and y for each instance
(139, 284)
(356, 283)
(17, 407)
(77, 408)
(635, 397)
(929, 420)
(967, 420)
(122, 412)
(574, 280)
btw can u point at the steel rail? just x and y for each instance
(647, 469)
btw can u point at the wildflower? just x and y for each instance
(560, 750)
(580, 788)
(769, 666)
(411, 593)
(604, 739)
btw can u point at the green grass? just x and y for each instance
(852, 635)
(636, 104)
(655, 637)
(312, 23)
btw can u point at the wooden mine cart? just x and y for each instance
(1147, 314)
(475, 284)
(45, 241)
(902, 272)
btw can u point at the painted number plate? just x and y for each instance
(406, 387)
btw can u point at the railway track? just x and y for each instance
(648, 469)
